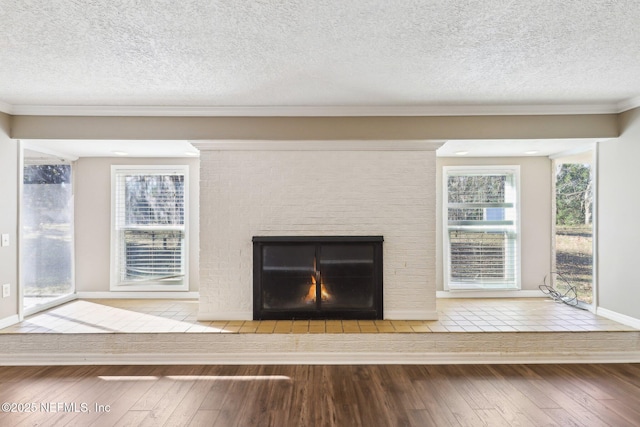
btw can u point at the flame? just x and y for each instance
(311, 294)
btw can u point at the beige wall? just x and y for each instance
(618, 219)
(8, 217)
(617, 208)
(535, 214)
(317, 128)
(93, 218)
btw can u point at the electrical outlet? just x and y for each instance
(5, 240)
(6, 290)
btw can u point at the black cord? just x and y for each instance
(570, 297)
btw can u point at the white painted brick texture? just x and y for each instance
(270, 193)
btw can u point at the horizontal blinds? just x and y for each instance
(482, 228)
(150, 225)
(482, 256)
(152, 255)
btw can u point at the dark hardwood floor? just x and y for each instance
(371, 395)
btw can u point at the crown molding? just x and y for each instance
(319, 111)
(629, 104)
(6, 108)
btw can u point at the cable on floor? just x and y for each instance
(569, 297)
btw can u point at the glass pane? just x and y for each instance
(347, 275)
(47, 233)
(475, 214)
(288, 277)
(574, 231)
(477, 188)
(154, 199)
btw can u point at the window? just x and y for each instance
(481, 239)
(149, 228)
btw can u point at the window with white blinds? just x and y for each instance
(149, 228)
(481, 238)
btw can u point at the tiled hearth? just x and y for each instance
(455, 315)
(168, 332)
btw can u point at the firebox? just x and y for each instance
(317, 277)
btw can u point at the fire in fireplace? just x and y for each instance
(317, 277)
(311, 296)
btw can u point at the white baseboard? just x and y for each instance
(138, 295)
(490, 294)
(620, 318)
(56, 302)
(225, 315)
(410, 315)
(9, 321)
(307, 358)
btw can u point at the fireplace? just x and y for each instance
(317, 277)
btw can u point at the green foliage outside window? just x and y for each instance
(574, 195)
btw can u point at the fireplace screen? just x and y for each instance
(318, 277)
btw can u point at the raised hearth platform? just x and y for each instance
(321, 348)
(167, 332)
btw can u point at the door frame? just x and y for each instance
(22, 311)
(593, 149)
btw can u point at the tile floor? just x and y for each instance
(455, 315)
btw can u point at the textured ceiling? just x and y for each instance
(189, 53)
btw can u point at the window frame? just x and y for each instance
(485, 284)
(116, 284)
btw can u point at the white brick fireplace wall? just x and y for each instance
(270, 191)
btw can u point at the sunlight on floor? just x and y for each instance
(180, 316)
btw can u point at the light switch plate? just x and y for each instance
(6, 290)
(5, 240)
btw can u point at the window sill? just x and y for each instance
(512, 293)
(150, 287)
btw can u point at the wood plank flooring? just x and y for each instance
(333, 395)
